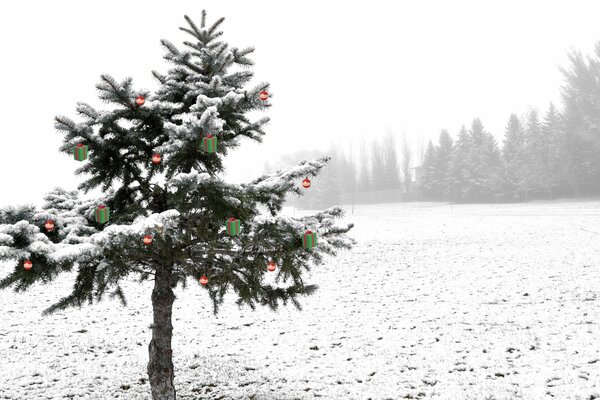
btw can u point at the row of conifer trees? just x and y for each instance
(549, 155)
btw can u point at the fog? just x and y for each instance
(337, 69)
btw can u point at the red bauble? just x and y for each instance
(147, 240)
(27, 265)
(203, 280)
(271, 266)
(156, 158)
(306, 183)
(49, 225)
(140, 100)
(264, 95)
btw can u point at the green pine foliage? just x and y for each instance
(182, 202)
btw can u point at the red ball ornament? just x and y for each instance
(306, 183)
(203, 280)
(147, 240)
(27, 265)
(140, 100)
(49, 225)
(264, 95)
(271, 266)
(156, 158)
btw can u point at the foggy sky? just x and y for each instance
(338, 69)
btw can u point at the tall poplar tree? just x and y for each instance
(390, 162)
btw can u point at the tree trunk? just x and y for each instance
(160, 365)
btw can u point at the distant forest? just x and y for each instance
(556, 154)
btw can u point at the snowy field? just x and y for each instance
(470, 302)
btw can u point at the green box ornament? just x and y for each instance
(102, 214)
(209, 143)
(81, 152)
(309, 240)
(233, 226)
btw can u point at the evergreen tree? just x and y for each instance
(325, 190)
(581, 97)
(483, 162)
(459, 174)
(492, 160)
(429, 186)
(534, 150)
(181, 201)
(443, 163)
(515, 160)
(310, 199)
(552, 154)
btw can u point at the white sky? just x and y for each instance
(337, 69)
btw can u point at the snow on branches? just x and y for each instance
(170, 216)
(271, 189)
(75, 238)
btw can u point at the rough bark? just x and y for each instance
(160, 365)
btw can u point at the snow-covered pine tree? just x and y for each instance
(436, 168)
(581, 118)
(325, 191)
(459, 173)
(180, 201)
(484, 164)
(428, 186)
(515, 161)
(492, 160)
(534, 149)
(554, 157)
(443, 162)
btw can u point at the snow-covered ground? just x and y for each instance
(469, 302)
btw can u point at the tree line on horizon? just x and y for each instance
(557, 155)
(547, 156)
(533, 162)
